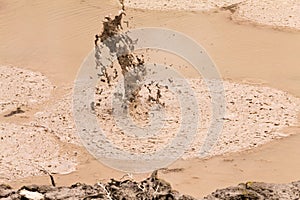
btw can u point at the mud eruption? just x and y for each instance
(132, 66)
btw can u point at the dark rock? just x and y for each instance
(5, 191)
(257, 191)
(151, 188)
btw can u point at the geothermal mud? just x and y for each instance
(255, 115)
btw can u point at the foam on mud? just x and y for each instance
(279, 13)
(20, 87)
(27, 150)
(254, 116)
(194, 5)
(58, 118)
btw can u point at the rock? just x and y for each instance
(31, 195)
(150, 188)
(258, 191)
(5, 191)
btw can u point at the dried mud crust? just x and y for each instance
(194, 5)
(254, 116)
(278, 13)
(21, 88)
(30, 150)
(58, 118)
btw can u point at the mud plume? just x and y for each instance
(131, 65)
(119, 44)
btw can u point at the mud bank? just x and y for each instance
(150, 188)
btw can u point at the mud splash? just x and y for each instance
(131, 65)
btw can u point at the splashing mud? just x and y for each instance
(132, 66)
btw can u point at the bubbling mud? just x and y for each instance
(130, 64)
